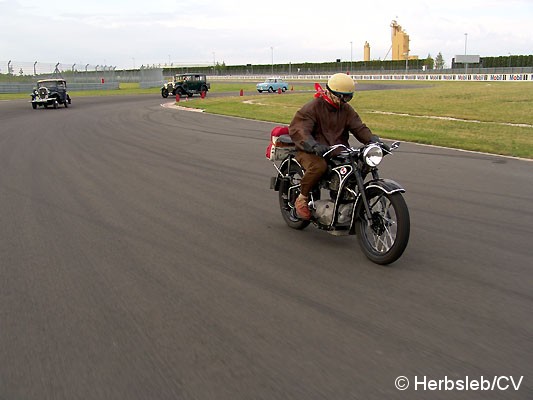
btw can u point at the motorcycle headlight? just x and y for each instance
(373, 155)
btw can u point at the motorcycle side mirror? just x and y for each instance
(395, 145)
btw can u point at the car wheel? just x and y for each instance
(164, 93)
(283, 89)
(66, 103)
(34, 106)
(56, 104)
(271, 89)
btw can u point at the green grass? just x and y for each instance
(491, 104)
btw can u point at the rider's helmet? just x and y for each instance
(341, 86)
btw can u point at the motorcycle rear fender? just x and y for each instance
(275, 181)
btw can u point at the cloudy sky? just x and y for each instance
(125, 33)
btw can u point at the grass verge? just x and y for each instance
(482, 114)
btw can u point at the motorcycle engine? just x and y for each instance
(334, 183)
(345, 213)
(324, 211)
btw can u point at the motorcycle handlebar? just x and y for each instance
(386, 148)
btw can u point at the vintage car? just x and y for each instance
(272, 85)
(186, 85)
(50, 92)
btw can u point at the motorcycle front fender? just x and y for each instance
(386, 185)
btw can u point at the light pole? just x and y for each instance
(466, 62)
(351, 56)
(272, 50)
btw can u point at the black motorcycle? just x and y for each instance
(350, 199)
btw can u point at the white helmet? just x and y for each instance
(341, 86)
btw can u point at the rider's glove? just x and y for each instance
(312, 146)
(377, 140)
(320, 149)
(374, 139)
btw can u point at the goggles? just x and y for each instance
(344, 97)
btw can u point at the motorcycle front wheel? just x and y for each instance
(289, 191)
(384, 237)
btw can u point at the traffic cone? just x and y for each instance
(292, 88)
(279, 90)
(177, 97)
(202, 95)
(242, 93)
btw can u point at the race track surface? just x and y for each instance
(143, 256)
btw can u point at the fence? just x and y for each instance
(20, 77)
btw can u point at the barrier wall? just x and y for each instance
(523, 77)
(448, 77)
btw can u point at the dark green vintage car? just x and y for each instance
(186, 85)
(50, 92)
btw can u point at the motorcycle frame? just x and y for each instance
(356, 167)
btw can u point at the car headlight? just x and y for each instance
(373, 155)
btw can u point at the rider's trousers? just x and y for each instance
(314, 166)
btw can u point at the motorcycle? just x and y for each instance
(350, 199)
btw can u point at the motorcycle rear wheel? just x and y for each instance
(288, 197)
(385, 237)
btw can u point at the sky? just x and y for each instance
(131, 33)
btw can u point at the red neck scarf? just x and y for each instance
(322, 93)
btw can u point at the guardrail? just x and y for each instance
(448, 77)
(522, 77)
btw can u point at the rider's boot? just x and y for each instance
(302, 207)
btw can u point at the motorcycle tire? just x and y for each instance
(287, 196)
(384, 239)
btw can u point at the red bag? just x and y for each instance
(274, 135)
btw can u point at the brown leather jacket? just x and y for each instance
(327, 124)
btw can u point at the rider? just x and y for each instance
(325, 121)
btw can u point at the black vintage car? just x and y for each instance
(50, 92)
(186, 85)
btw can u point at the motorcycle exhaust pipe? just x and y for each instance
(284, 185)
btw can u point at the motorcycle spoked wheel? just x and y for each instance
(287, 199)
(385, 237)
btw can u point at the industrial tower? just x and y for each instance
(400, 42)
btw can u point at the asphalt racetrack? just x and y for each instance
(143, 256)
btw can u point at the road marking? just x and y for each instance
(451, 119)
